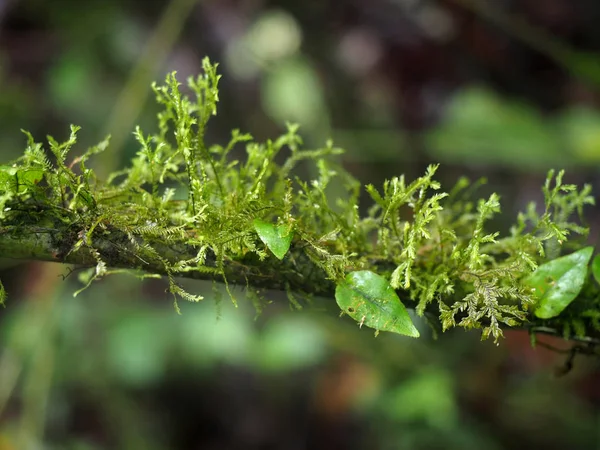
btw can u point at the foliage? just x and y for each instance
(181, 192)
(370, 300)
(558, 282)
(277, 237)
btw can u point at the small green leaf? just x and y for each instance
(277, 237)
(30, 176)
(558, 282)
(13, 178)
(370, 300)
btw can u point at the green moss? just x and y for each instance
(433, 246)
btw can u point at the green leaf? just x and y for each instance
(13, 178)
(277, 237)
(29, 177)
(558, 282)
(370, 300)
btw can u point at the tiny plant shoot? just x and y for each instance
(238, 213)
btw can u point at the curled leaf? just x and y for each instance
(277, 237)
(370, 300)
(558, 282)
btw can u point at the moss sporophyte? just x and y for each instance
(238, 213)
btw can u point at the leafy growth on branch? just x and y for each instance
(242, 208)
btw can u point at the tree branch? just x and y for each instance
(296, 272)
(32, 242)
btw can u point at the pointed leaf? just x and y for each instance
(277, 237)
(558, 282)
(370, 300)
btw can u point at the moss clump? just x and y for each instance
(185, 207)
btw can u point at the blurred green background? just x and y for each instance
(501, 89)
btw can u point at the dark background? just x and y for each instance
(495, 88)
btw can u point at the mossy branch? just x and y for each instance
(187, 208)
(296, 273)
(115, 249)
